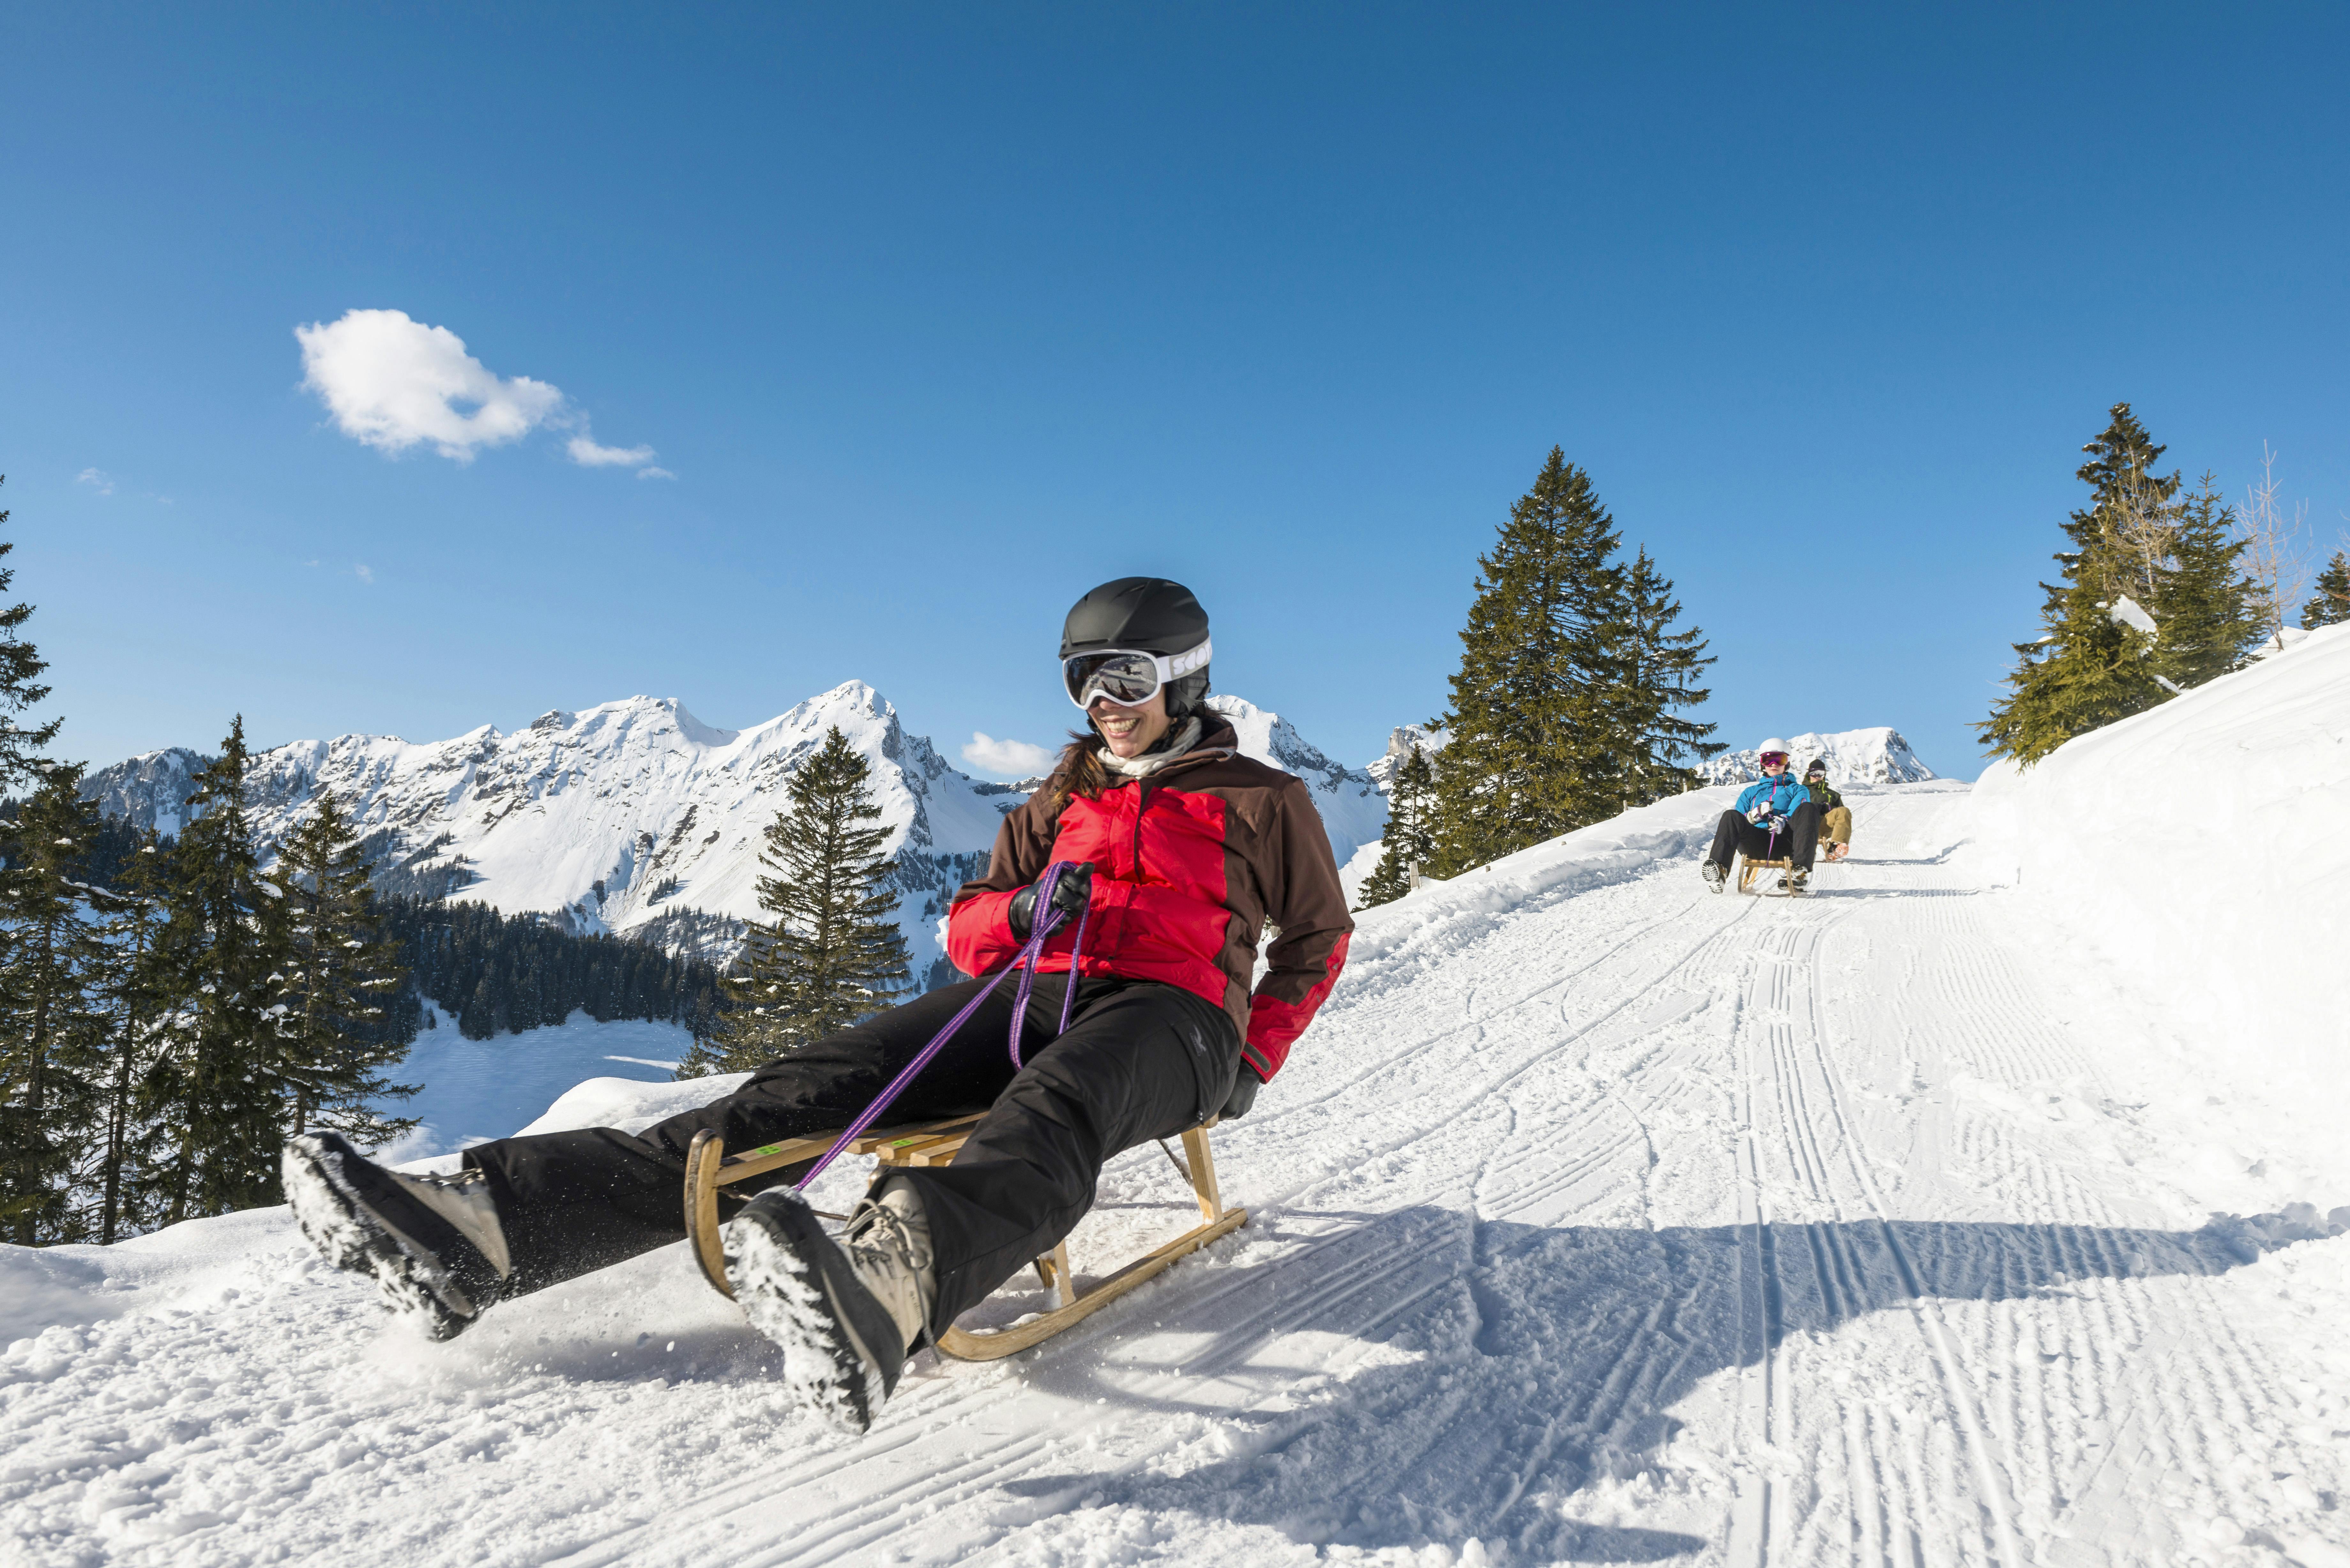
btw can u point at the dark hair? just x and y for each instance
(1079, 771)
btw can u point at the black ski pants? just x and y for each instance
(1140, 1061)
(1735, 835)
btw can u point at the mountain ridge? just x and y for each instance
(638, 818)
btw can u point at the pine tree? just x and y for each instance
(2205, 615)
(340, 969)
(20, 665)
(1407, 845)
(131, 986)
(2330, 604)
(1529, 754)
(2087, 671)
(55, 1027)
(1651, 739)
(218, 1102)
(831, 954)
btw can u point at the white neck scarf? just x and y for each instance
(1175, 746)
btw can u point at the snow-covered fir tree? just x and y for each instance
(2086, 669)
(130, 986)
(218, 1098)
(2329, 603)
(340, 970)
(1651, 743)
(1538, 657)
(2203, 607)
(20, 668)
(1408, 846)
(831, 954)
(1564, 709)
(52, 956)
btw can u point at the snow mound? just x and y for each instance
(2199, 847)
(1871, 756)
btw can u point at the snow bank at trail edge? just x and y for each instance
(2198, 849)
(1442, 915)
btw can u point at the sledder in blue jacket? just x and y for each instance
(1765, 796)
(1775, 817)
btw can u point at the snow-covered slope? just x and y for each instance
(1599, 1219)
(1878, 756)
(2199, 847)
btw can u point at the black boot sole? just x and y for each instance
(362, 1222)
(842, 1351)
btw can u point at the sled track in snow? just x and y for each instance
(1631, 1224)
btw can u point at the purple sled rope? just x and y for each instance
(1031, 952)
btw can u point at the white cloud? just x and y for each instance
(588, 454)
(1009, 758)
(655, 474)
(394, 383)
(97, 478)
(364, 572)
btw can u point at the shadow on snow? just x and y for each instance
(1518, 1363)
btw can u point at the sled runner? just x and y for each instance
(1749, 868)
(707, 1169)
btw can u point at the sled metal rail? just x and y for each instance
(708, 1168)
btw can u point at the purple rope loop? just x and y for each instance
(1035, 951)
(1030, 952)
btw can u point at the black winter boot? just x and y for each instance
(846, 1313)
(433, 1242)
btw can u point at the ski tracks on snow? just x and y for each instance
(1633, 1224)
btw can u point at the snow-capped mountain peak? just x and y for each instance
(1875, 755)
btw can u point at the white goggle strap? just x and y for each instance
(1167, 669)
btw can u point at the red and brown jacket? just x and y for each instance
(1189, 865)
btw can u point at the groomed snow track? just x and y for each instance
(1616, 1221)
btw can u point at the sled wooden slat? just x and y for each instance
(1011, 1341)
(1752, 869)
(903, 1138)
(707, 1169)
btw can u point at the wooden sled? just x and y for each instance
(707, 1169)
(1749, 870)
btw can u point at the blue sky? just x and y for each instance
(938, 316)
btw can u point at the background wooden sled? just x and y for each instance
(1752, 869)
(707, 1169)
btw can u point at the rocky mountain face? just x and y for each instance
(1871, 756)
(636, 818)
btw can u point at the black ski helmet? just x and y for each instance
(1817, 766)
(1148, 615)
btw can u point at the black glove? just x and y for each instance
(1070, 896)
(1244, 1094)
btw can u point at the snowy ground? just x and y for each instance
(1600, 1219)
(477, 1089)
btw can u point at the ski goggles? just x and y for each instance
(1774, 760)
(1128, 677)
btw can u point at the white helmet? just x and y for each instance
(1773, 744)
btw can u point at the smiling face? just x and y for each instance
(1130, 731)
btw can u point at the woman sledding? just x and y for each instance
(1775, 819)
(1178, 852)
